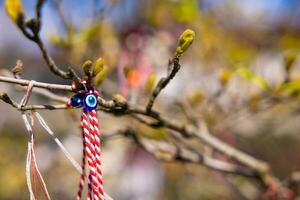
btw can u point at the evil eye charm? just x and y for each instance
(90, 102)
(77, 101)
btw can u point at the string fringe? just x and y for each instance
(31, 165)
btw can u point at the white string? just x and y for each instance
(107, 197)
(21, 102)
(28, 175)
(28, 159)
(27, 124)
(61, 146)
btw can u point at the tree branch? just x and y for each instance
(207, 138)
(31, 30)
(50, 62)
(187, 156)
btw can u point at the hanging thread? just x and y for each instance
(32, 171)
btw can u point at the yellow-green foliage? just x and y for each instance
(291, 88)
(289, 59)
(185, 11)
(255, 79)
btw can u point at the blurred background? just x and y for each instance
(241, 76)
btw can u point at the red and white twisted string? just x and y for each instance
(91, 148)
(97, 145)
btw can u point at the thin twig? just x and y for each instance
(50, 62)
(163, 82)
(38, 11)
(4, 97)
(36, 84)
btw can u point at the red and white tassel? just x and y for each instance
(97, 145)
(91, 148)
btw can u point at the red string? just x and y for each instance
(41, 184)
(33, 180)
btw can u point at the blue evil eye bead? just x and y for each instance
(76, 101)
(90, 102)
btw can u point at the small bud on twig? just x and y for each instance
(87, 67)
(5, 98)
(99, 65)
(17, 70)
(185, 41)
(150, 82)
(100, 76)
(224, 76)
(119, 100)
